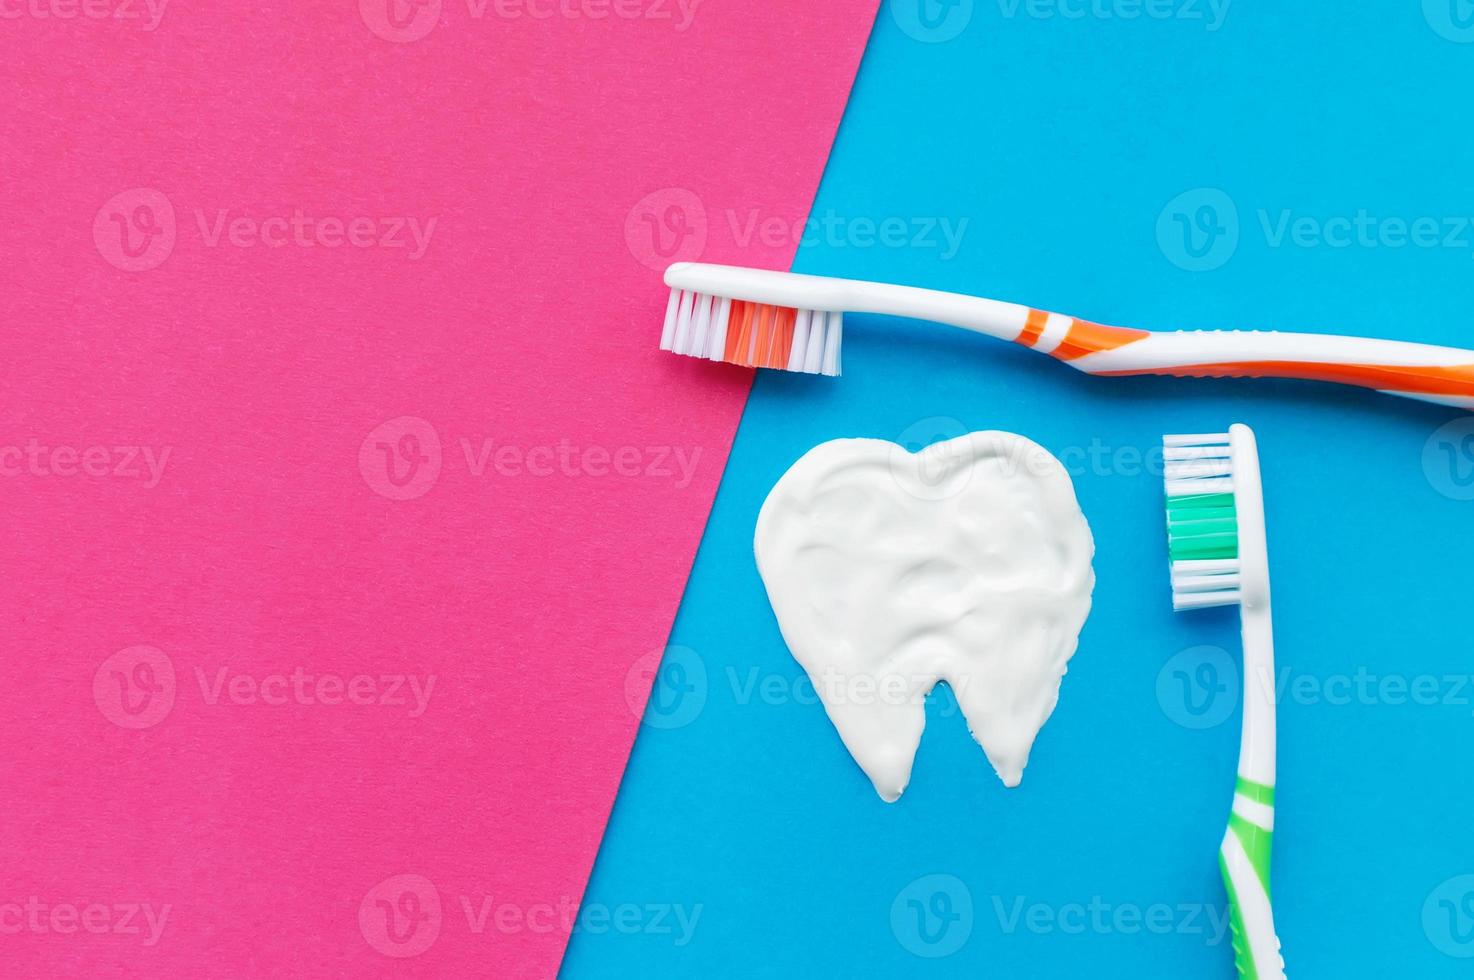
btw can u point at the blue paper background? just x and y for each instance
(1061, 141)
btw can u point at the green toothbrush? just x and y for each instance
(1215, 533)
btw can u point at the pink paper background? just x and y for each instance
(537, 594)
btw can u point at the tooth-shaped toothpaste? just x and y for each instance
(967, 562)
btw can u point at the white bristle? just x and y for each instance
(1183, 488)
(1200, 464)
(1194, 469)
(833, 335)
(1176, 442)
(668, 335)
(1208, 566)
(717, 342)
(1204, 583)
(800, 339)
(698, 325)
(1204, 600)
(683, 322)
(1173, 454)
(814, 355)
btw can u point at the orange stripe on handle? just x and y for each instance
(1085, 337)
(1421, 380)
(1033, 328)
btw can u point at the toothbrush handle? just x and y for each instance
(1444, 375)
(1244, 856)
(1256, 946)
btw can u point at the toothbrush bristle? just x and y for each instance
(1202, 521)
(758, 335)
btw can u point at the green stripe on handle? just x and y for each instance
(1258, 792)
(1242, 957)
(1257, 843)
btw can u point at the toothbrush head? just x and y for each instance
(746, 317)
(720, 328)
(1212, 487)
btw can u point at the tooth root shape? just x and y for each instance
(968, 562)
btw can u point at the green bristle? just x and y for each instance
(1197, 500)
(1202, 526)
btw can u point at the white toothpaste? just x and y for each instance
(967, 562)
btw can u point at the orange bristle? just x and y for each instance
(737, 332)
(755, 326)
(761, 335)
(762, 341)
(787, 317)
